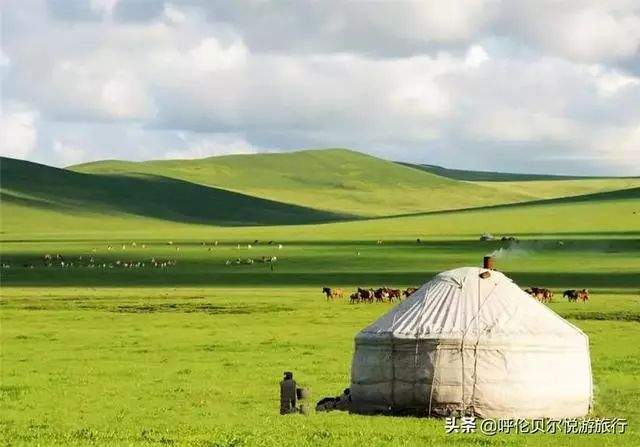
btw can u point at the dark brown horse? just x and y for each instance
(394, 294)
(365, 295)
(410, 291)
(574, 295)
(380, 294)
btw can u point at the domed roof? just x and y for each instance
(460, 305)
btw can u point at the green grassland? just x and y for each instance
(344, 181)
(191, 354)
(31, 186)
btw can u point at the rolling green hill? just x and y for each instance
(299, 188)
(335, 180)
(30, 191)
(345, 181)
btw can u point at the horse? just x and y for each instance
(381, 294)
(410, 291)
(394, 294)
(354, 298)
(365, 295)
(541, 294)
(583, 295)
(332, 293)
(571, 295)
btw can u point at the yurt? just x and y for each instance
(471, 342)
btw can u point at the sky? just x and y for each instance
(543, 86)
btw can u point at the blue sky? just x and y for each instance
(528, 86)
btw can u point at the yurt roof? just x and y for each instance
(459, 306)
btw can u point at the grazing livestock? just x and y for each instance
(410, 290)
(574, 295)
(354, 298)
(541, 294)
(332, 293)
(583, 295)
(365, 295)
(380, 294)
(571, 295)
(394, 294)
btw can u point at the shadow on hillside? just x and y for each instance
(42, 187)
(493, 176)
(619, 194)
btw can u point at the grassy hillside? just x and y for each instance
(349, 182)
(488, 176)
(34, 193)
(334, 179)
(589, 216)
(41, 200)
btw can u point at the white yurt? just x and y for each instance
(471, 342)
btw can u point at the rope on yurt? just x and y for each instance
(433, 377)
(393, 374)
(475, 345)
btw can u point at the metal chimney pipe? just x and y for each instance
(488, 262)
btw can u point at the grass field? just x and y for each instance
(344, 181)
(192, 354)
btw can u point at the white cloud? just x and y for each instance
(476, 56)
(621, 144)
(174, 14)
(123, 96)
(4, 59)
(455, 83)
(431, 20)
(521, 125)
(67, 153)
(610, 82)
(103, 7)
(200, 146)
(210, 55)
(18, 133)
(582, 30)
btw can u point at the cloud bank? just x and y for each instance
(529, 86)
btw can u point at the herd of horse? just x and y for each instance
(546, 295)
(386, 294)
(379, 295)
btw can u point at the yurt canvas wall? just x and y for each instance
(463, 344)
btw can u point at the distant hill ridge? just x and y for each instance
(349, 182)
(493, 176)
(301, 187)
(40, 187)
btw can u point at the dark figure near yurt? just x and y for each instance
(288, 397)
